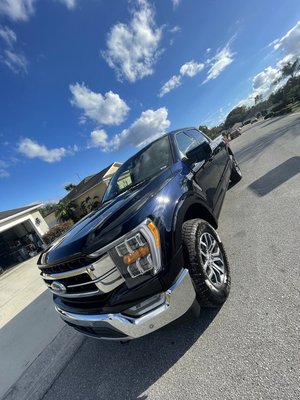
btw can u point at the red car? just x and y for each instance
(235, 133)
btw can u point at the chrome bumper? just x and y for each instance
(178, 300)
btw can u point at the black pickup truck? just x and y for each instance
(150, 253)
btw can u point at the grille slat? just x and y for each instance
(82, 278)
(64, 267)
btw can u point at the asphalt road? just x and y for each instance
(249, 349)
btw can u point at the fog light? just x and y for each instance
(146, 305)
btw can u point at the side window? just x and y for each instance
(185, 143)
(197, 135)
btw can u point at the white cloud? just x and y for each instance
(133, 49)
(3, 169)
(175, 3)
(191, 68)
(208, 50)
(175, 29)
(8, 35)
(70, 4)
(99, 138)
(16, 62)
(108, 109)
(219, 62)
(263, 80)
(17, 10)
(148, 126)
(32, 149)
(13, 59)
(171, 84)
(262, 83)
(4, 173)
(289, 43)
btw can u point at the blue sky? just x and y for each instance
(83, 83)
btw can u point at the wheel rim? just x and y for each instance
(212, 259)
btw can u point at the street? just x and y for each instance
(248, 349)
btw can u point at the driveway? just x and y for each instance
(28, 322)
(249, 349)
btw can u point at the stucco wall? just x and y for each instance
(98, 190)
(51, 220)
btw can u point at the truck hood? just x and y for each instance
(106, 224)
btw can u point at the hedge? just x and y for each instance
(57, 231)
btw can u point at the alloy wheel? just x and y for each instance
(212, 259)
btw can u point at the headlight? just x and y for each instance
(138, 252)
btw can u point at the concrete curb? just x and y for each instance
(46, 368)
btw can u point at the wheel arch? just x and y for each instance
(200, 211)
(190, 208)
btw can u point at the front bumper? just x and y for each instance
(178, 300)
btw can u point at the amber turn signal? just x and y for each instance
(155, 233)
(139, 253)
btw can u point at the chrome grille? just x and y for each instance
(98, 277)
(66, 266)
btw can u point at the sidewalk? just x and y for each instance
(28, 321)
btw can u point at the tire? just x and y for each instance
(212, 289)
(236, 174)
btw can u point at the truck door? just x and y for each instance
(206, 171)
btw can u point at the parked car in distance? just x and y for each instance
(247, 122)
(150, 253)
(235, 133)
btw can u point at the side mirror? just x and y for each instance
(199, 153)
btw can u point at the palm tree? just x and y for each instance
(288, 70)
(258, 98)
(89, 205)
(69, 187)
(65, 210)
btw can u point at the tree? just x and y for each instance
(288, 70)
(65, 210)
(276, 97)
(89, 205)
(238, 114)
(70, 186)
(211, 132)
(204, 129)
(47, 209)
(258, 98)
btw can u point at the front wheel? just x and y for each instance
(207, 262)
(236, 174)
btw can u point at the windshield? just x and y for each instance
(142, 166)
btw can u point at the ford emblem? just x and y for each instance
(58, 287)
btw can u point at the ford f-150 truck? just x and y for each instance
(150, 253)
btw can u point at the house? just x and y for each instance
(93, 186)
(21, 232)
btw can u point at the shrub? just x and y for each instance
(270, 115)
(285, 110)
(278, 108)
(57, 231)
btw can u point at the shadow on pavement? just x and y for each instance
(248, 152)
(109, 370)
(276, 177)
